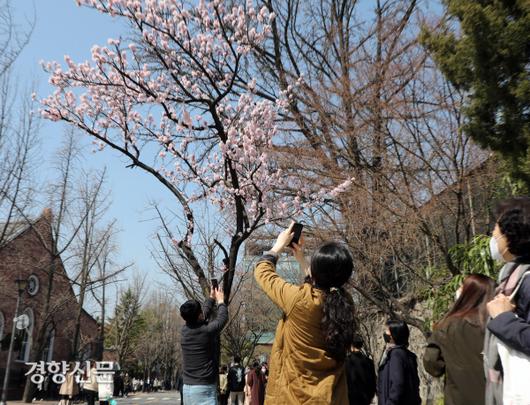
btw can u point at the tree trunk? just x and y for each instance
(38, 345)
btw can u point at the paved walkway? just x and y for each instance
(140, 398)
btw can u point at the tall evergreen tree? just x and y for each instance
(126, 326)
(483, 48)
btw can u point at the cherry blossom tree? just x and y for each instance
(177, 98)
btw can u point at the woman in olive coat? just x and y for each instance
(456, 345)
(307, 358)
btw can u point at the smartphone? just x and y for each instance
(215, 284)
(297, 230)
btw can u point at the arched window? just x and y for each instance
(25, 337)
(33, 285)
(47, 354)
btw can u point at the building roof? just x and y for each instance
(12, 230)
(267, 338)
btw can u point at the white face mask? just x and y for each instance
(494, 250)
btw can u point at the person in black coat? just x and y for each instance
(398, 382)
(509, 325)
(511, 240)
(360, 372)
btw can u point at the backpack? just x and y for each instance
(236, 378)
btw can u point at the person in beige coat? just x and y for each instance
(312, 338)
(90, 386)
(69, 388)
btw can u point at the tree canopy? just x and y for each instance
(483, 47)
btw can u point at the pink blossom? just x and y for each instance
(125, 94)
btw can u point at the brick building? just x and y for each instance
(26, 255)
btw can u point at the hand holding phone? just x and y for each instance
(215, 284)
(297, 231)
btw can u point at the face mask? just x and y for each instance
(387, 337)
(494, 250)
(263, 370)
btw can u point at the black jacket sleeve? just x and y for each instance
(371, 378)
(208, 307)
(217, 324)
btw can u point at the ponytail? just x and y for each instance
(338, 322)
(331, 268)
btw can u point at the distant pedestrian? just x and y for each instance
(398, 382)
(256, 382)
(127, 384)
(265, 370)
(236, 382)
(247, 388)
(223, 386)
(118, 384)
(70, 387)
(360, 372)
(90, 387)
(198, 341)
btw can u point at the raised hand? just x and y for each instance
(283, 240)
(219, 296)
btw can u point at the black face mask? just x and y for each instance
(387, 337)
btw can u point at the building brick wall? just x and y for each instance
(28, 254)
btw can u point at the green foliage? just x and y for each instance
(156, 351)
(510, 186)
(471, 258)
(474, 257)
(126, 326)
(483, 50)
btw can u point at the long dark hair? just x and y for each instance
(399, 330)
(331, 268)
(256, 368)
(477, 291)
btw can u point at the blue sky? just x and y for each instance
(61, 28)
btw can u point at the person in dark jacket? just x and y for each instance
(199, 354)
(455, 347)
(510, 310)
(236, 382)
(360, 372)
(398, 382)
(511, 323)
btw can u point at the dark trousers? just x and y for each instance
(90, 396)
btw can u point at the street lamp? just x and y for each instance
(21, 287)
